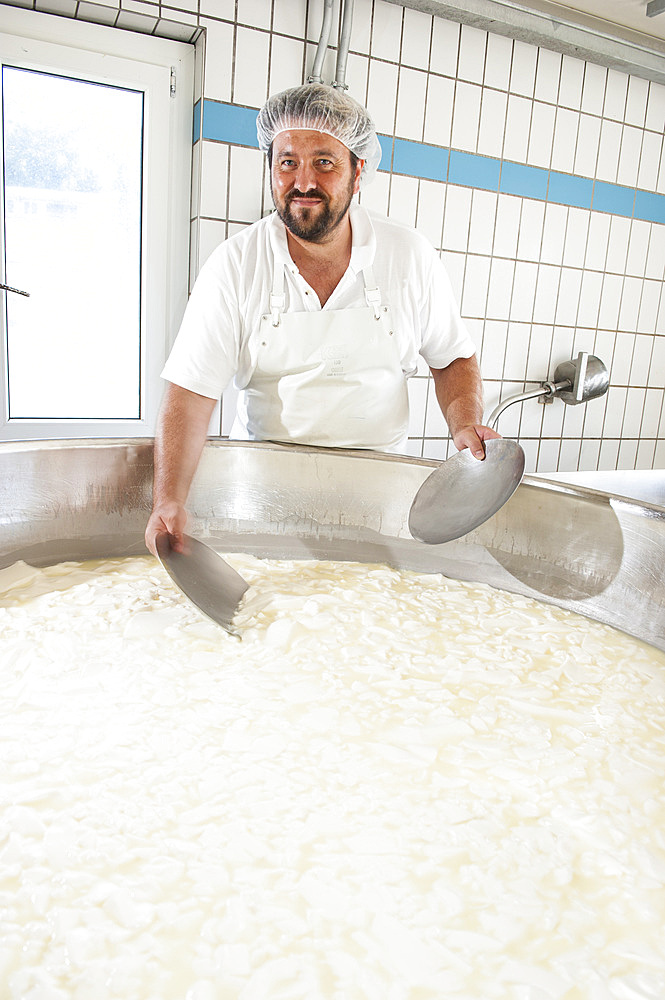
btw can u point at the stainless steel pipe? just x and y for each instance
(575, 381)
(577, 548)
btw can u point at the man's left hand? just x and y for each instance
(472, 437)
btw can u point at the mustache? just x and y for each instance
(314, 195)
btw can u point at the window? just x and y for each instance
(95, 199)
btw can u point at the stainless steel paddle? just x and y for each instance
(464, 492)
(204, 577)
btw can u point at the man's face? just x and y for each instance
(313, 182)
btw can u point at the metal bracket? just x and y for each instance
(548, 397)
(8, 288)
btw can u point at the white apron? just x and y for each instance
(330, 378)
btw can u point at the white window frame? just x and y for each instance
(115, 57)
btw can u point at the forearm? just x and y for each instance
(459, 392)
(181, 434)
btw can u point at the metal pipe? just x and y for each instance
(574, 381)
(343, 46)
(545, 389)
(317, 68)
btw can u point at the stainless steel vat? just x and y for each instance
(587, 551)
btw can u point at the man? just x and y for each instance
(319, 312)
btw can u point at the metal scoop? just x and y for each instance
(464, 492)
(204, 577)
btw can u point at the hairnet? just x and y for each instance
(324, 109)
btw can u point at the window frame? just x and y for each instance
(152, 65)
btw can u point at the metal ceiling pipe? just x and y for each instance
(326, 24)
(343, 46)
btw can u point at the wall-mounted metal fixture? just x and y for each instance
(342, 46)
(8, 288)
(655, 7)
(317, 68)
(575, 381)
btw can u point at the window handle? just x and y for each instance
(8, 288)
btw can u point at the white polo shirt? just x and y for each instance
(216, 341)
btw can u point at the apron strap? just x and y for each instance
(372, 293)
(277, 296)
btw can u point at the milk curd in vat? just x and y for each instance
(397, 786)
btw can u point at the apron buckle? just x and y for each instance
(277, 303)
(373, 299)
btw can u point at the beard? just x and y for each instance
(316, 223)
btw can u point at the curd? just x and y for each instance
(396, 787)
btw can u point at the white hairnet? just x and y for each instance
(324, 109)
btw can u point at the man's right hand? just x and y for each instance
(168, 517)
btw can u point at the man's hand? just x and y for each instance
(171, 518)
(472, 437)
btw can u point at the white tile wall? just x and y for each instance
(609, 150)
(438, 111)
(429, 217)
(554, 234)
(593, 89)
(416, 38)
(218, 72)
(565, 140)
(516, 134)
(541, 135)
(536, 281)
(250, 79)
(410, 119)
(548, 75)
(532, 221)
(445, 46)
(471, 61)
(523, 70)
(466, 116)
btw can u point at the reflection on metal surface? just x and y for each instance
(573, 547)
(587, 376)
(205, 578)
(587, 549)
(464, 492)
(645, 485)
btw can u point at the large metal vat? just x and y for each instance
(591, 552)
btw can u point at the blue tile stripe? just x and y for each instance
(473, 171)
(529, 182)
(567, 189)
(237, 125)
(649, 206)
(613, 198)
(419, 160)
(229, 123)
